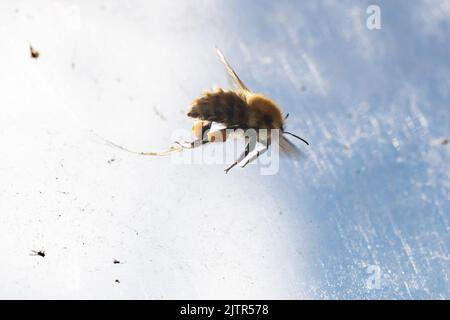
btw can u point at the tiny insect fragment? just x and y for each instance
(39, 253)
(440, 141)
(34, 53)
(116, 261)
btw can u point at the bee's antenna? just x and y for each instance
(296, 137)
(287, 116)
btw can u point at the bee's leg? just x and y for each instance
(192, 144)
(260, 149)
(258, 153)
(241, 157)
(248, 161)
(200, 128)
(249, 147)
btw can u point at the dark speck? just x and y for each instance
(34, 53)
(159, 114)
(39, 253)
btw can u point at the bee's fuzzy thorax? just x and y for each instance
(264, 113)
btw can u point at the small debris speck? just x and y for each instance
(115, 261)
(34, 53)
(117, 281)
(440, 141)
(159, 114)
(39, 253)
(395, 143)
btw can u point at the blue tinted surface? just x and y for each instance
(375, 107)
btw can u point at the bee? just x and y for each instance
(217, 111)
(237, 109)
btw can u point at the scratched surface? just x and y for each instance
(362, 214)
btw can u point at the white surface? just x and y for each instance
(373, 188)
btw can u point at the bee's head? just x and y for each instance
(289, 133)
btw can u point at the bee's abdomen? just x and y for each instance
(221, 106)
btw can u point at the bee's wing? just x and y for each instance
(286, 148)
(231, 72)
(289, 149)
